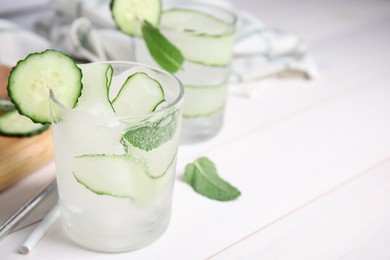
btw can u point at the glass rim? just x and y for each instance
(189, 4)
(178, 99)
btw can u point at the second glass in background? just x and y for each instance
(205, 36)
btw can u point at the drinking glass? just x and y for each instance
(205, 35)
(116, 174)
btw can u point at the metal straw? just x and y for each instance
(25, 209)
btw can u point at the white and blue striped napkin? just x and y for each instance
(17, 42)
(85, 30)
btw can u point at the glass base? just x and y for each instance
(200, 129)
(115, 243)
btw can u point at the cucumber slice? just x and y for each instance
(201, 38)
(156, 143)
(121, 176)
(211, 98)
(109, 73)
(157, 161)
(15, 125)
(129, 14)
(32, 78)
(140, 94)
(6, 105)
(94, 98)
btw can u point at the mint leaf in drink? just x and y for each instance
(129, 14)
(151, 135)
(162, 50)
(203, 177)
(140, 17)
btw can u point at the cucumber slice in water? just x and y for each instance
(121, 176)
(109, 73)
(16, 125)
(201, 37)
(129, 14)
(158, 161)
(94, 98)
(31, 80)
(112, 175)
(212, 98)
(156, 143)
(140, 94)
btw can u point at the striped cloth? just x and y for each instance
(85, 30)
(16, 43)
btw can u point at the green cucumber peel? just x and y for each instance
(13, 124)
(6, 105)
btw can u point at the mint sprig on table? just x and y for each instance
(203, 177)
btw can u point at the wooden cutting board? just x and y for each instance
(20, 157)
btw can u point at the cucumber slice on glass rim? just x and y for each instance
(140, 18)
(129, 15)
(31, 80)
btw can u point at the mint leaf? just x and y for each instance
(203, 177)
(152, 135)
(163, 51)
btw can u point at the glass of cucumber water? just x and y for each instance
(115, 155)
(204, 34)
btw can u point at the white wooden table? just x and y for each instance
(312, 158)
